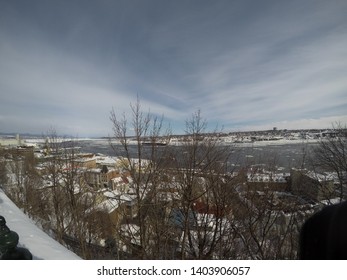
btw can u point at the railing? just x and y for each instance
(8, 244)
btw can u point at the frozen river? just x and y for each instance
(282, 155)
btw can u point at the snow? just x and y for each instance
(108, 205)
(41, 245)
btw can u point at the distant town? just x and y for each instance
(15, 139)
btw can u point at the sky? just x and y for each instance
(245, 64)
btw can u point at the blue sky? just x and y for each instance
(245, 64)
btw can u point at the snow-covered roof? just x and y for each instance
(118, 179)
(105, 160)
(112, 194)
(94, 170)
(108, 205)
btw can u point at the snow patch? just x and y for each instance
(40, 244)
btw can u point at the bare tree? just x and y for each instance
(143, 145)
(331, 155)
(212, 213)
(267, 226)
(3, 168)
(204, 184)
(71, 203)
(53, 180)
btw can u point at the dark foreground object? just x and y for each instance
(324, 235)
(8, 244)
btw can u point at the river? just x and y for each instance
(283, 156)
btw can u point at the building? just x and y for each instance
(10, 141)
(311, 186)
(86, 162)
(267, 181)
(100, 177)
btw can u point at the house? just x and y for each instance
(86, 162)
(310, 185)
(110, 162)
(121, 183)
(99, 177)
(111, 210)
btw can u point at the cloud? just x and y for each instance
(313, 123)
(243, 64)
(258, 83)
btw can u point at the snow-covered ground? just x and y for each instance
(41, 245)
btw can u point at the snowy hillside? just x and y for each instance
(42, 246)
